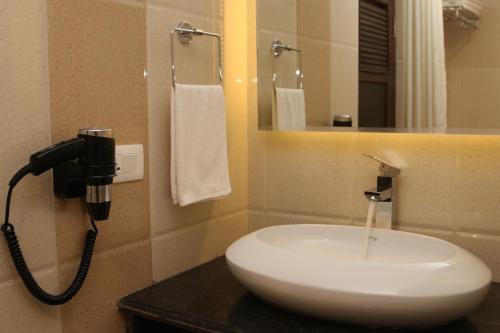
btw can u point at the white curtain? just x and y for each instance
(422, 96)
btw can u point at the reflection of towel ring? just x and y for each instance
(277, 49)
(185, 33)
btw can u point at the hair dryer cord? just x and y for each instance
(23, 270)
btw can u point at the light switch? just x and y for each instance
(129, 163)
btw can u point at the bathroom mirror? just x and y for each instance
(379, 65)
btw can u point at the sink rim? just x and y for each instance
(351, 264)
(453, 247)
(374, 294)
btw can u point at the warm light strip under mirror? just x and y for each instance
(377, 66)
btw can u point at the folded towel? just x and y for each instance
(199, 164)
(471, 7)
(289, 111)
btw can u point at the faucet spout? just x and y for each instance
(384, 194)
(378, 196)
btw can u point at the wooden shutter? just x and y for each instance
(377, 72)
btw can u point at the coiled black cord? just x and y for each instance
(23, 270)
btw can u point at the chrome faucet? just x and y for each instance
(383, 194)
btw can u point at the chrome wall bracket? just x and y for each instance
(185, 33)
(277, 49)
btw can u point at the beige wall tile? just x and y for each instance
(313, 19)
(21, 313)
(344, 22)
(97, 58)
(181, 250)
(477, 208)
(25, 116)
(485, 247)
(285, 219)
(230, 228)
(286, 21)
(24, 129)
(436, 233)
(311, 172)
(89, 83)
(257, 219)
(479, 97)
(261, 219)
(257, 169)
(236, 90)
(32, 214)
(455, 95)
(203, 8)
(257, 141)
(317, 80)
(112, 275)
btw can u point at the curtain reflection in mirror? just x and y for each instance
(421, 66)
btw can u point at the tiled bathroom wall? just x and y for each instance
(97, 56)
(24, 128)
(73, 64)
(185, 237)
(448, 187)
(68, 65)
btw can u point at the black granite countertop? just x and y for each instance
(209, 299)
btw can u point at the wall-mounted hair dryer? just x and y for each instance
(83, 166)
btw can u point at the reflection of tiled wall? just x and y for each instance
(313, 31)
(277, 20)
(185, 237)
(328, 34)
(323, 29)
(25, 128)
(448, 187)
(473, 68)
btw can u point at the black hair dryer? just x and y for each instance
(89, 172)
(83, 167)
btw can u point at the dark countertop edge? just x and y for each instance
(195, 323)
(171, 318)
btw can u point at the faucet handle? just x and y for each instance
(386, 169)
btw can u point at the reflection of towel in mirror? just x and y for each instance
(289, 110)
(199, 163)
(473, 7)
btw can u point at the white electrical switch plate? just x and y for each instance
(129, 163)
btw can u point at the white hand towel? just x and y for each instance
(289, 112)
(473, 7)
(199, 164)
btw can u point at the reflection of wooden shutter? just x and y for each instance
(374, 36)
(377, 63)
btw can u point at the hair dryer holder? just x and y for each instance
(69, 180)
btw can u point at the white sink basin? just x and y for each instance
(408, 280)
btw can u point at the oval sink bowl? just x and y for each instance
(407, 280)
